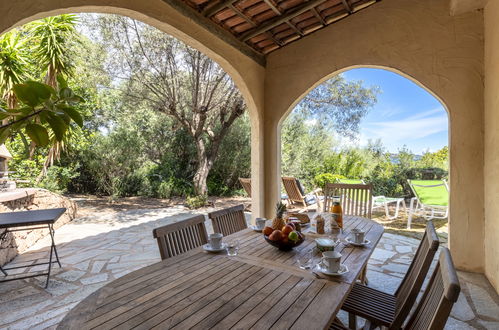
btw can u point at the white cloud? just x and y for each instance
(403, 131)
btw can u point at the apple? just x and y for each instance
(267, 231)
(293, 236)
(276, 236)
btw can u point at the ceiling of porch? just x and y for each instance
(267, 25)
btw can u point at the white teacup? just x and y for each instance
(332, 261)
(358, 236)
(216, 240)
(260, 223)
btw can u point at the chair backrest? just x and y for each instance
(246, 183)
(228, 221)
(356, 199)
(430, 192)
(351, 181)
(180, 237)
(292, 189)
(438, 298)
(408, 289)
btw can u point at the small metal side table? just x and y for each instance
(29, 220)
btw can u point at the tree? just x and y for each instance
(340, 103)
(13, 65)
(181, 82)
(52, 38)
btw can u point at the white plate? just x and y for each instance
(207, 247)
(256, 229)
(323, 270)
(349, 241)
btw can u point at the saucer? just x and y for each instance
(323, 270)
(349, 241)
(207, 247)
(256, 229)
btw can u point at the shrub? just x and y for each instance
(165, 189)
(320, 180)
(196, 202)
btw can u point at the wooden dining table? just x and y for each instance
(260, 288)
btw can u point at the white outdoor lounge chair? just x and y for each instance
(431, 199)
(381, 201)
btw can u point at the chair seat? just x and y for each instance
(371, 304)
(337, 326)
(311, 199)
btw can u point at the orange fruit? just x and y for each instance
(287, 229)
(267, 231)
(276, 236)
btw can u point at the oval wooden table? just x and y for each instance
(260, 288)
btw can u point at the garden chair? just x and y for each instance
(437, 300)
(246, 183)
(295, 194)
(228, 221)
(431, 199)
(180, 237)
(391, 310)
(356, 199)
(381, 201)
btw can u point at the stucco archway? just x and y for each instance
(419, 39)
(245, 71)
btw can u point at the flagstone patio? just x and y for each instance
(95, 250)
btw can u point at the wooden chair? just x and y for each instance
(296, 195)
(383, 309)
(246, 183)
(180, 237)
(438, 298)
(356, 199)
(228, 221)
(436, 303)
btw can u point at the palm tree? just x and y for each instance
(53, 37)
(13, 65)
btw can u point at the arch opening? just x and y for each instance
(422, 114)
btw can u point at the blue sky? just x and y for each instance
(405, 114)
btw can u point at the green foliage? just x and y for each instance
(58, 178)
(320, 180)
(195, 202)
(43, 111)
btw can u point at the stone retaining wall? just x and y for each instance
(19, 242)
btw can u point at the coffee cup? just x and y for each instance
(216, 240)
(358, 236)
(260, 223)
(332, 261)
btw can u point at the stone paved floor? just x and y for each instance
(97, 249)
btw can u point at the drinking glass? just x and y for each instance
(304, 260)
(232, 247)
(336, 235)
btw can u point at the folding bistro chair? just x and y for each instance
(180, 237)
(431, 199)
(228, 221)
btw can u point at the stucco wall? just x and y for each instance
(417, 38)
(491, 172)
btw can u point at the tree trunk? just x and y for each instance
(203, 169)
